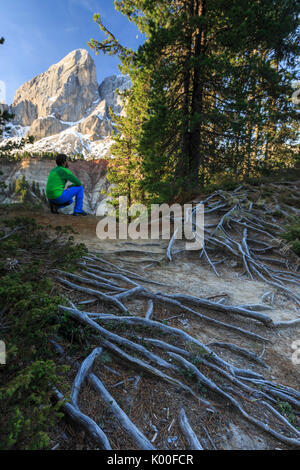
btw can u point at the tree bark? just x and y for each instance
(197, 97)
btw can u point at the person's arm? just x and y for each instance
(72, 178)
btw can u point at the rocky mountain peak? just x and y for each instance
(65, 109)
(65, 91)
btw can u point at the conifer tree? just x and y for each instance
(22, 189)
(38, 190)
(123, 170)
(219, 90)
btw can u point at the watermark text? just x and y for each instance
(138, 223)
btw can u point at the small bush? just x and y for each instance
(292, 236)
(29, 318)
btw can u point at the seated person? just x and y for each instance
(56, 193)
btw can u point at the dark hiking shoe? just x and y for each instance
(77, 214)
(53, 208)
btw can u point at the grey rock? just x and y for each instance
(238, 439)
(108, 94)
(95, 127)
(25, 112)
(4, 107)
(47, 126)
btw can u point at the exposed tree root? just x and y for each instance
(191, 437)
(219, 377)
(84, 370)
(242, 218)
(214, 388)
(123, 419)
(241, 351)
(82, 420)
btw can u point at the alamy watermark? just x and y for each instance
(188, 223)
(2, 353)
(296, 354)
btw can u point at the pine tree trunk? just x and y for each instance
(183, 165)
(197, 96)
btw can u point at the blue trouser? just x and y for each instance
(66, 199)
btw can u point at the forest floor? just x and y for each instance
(154, 405)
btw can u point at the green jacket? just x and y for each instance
(57, 180)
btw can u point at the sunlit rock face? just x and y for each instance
(65, 91)
(46, 126)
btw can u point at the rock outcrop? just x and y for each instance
(25, 111)
(95, 128)
(45, 126)
(108, 95)
(3, 107)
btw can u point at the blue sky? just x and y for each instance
(39, 33)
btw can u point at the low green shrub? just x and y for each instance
(292, 235)
(29, 317)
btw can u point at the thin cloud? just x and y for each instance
(89, 5)
(71, 29)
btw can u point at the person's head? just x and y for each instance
(62, 160)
